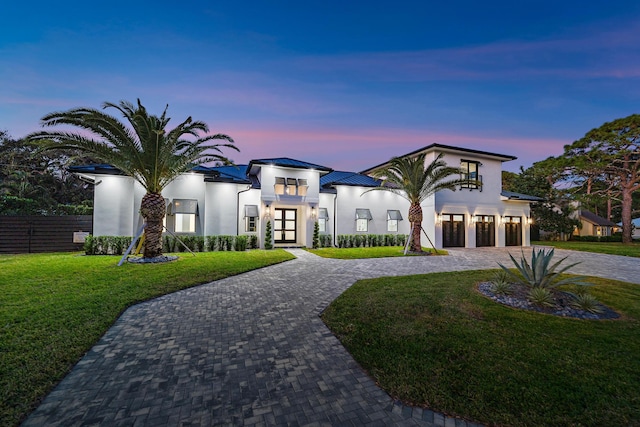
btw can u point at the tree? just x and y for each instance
(610, 154)
(37, 182)
(556, 213)
(147, 151)
(409, 178)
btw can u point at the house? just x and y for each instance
(594, 225)
(294, 194)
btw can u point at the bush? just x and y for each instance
(240, 243)
(325, 241)
(539, 274)
(268, 244)
(370, 240)
(253, 241)
(106, 245)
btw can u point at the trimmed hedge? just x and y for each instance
(117, 245)
(371, 240)
(614, 238)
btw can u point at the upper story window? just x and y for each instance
(291, 186)
(280, 185)
(471, 174)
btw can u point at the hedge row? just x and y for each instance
(614, 238)
(371, 240)
(117, 245)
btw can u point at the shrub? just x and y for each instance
(325, 241)
(316, 235)
(89, 245)
(253, 241)
(541, 296)
(539, 274)
(500, 284)
(268, 244)
(240, 243)
(587, 302)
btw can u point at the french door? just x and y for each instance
(453, 231)
(284, 226)
(513, 231)
(485, 231)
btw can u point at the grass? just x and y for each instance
(433, 340)
(360, 253)
(56, 306)
(611, 248)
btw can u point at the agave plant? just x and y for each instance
(500, 284)
(540, 273)
(541, 297)
(587, 302)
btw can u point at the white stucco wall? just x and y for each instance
(351, 198)
(115, 213)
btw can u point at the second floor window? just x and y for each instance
(470, 174)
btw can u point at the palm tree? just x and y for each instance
(146, 151)
(409, 178)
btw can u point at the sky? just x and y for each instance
(343, 84)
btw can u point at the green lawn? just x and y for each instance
(611, 248)
(433, 340)
(54, 307)
(359, 253)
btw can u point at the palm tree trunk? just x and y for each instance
(415, 218)
(153, 209)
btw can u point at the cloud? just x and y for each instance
(356, 149)
(594, 53)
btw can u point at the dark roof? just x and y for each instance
(102, 168)
(432, 147)
(596, 219)
(348, 178)
(229, 173)
(287, 163)
(511, 195)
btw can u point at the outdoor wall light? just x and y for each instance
(529, 220)
(314, 214)
(438, 218)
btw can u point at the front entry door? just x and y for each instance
(453, 231)
(284, 226)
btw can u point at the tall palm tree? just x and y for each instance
(411, 179)
(146, 151)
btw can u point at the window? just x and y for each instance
(470, 174)
(323, 218)
(302, 187)
(363, 216)
(292, 186)
(250, 218)
(393, 216)
(280, 185)
(185, 211)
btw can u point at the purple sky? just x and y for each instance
(343, 85)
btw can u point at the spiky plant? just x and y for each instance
(587, 302)
(541, 273)
(144, 150)
(415, 180)
(541, 297)
(500, 284)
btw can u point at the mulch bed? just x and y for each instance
(518, 299)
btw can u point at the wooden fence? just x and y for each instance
(30, 234)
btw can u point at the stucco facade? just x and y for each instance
(293, 195)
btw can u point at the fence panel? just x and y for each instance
(31, 234)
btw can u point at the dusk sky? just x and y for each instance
(344, 84)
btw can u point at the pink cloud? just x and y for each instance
(357, 149)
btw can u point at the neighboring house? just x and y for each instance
(295, 194)
(594, 225)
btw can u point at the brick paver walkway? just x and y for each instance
(251, 350)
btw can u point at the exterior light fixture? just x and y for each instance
(314, 214)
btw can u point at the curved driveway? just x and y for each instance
(251, 350)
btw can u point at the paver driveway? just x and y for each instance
(251, 350)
